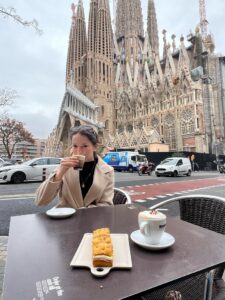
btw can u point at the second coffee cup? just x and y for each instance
(152, 225)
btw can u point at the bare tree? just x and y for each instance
(10, 12)
(11, 133)
(7, 96)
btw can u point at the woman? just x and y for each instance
(91, 186)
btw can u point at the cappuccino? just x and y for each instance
(152, 225)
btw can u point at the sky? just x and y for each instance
(35, 65)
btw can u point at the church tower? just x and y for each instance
(91, 85)
(76, 71)
(100, 61)
(71, 48)
(129, 28)
(152, 27)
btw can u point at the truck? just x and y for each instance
(125, 160)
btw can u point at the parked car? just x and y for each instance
(8, 162)
(174, 166)
(1, 161)
(34, 169)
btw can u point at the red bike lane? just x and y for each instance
(139, 192)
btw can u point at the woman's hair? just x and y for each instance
(87, 131)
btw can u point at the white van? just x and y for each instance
(174, 166)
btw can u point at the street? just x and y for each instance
(18, 199)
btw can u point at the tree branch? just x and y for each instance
(7, 96)
(10, 12)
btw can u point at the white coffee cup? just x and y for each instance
(152, 225)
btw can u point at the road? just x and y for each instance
(18, 199)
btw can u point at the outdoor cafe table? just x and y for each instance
(40, 250)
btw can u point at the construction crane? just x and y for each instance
(203, 21)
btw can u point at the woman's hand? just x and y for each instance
(65, 164)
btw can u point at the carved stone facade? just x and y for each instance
(132, 95)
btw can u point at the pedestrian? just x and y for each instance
(91, 186)
(193, 162)
(196, 166)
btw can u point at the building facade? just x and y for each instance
(25, 150)
(134, 97)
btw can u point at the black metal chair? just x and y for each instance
(208, 212)
(121, 197)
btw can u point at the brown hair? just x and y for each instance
(87, 131)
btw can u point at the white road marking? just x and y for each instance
(17, 197)
(140, 201)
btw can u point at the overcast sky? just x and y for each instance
(35, 65)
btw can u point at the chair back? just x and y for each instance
(208, 212)
(202, 210)
(121, 197)
(205, 211)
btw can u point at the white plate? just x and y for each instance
(60, 212)
(166, 241)
(121, 254)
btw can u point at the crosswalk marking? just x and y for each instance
(140, 200)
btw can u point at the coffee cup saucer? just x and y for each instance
(60, 212)
(166, 241)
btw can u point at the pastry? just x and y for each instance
(102, 248)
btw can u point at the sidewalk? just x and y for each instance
(3, 254)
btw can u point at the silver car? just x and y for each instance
(37, 169)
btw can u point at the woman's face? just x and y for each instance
(82, 145)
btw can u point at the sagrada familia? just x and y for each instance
(117, 81)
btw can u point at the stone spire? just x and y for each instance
(104, 64)
(71, 48)
(77, 48)
(91, 47)
(129, 19)
(129, 30)
(104, 31)
(120, 19)
(100, 60)
(152, 27)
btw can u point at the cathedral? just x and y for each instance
(118, 82)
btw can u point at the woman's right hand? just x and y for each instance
(65, 164)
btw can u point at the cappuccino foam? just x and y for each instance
(152, 214)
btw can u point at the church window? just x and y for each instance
(103, 67)
(187, 122)
(99, 65)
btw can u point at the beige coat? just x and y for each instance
(100, 193)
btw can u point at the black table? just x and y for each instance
(40, 250)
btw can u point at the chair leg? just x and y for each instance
(209, 285)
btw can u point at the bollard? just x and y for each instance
(43, 174)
